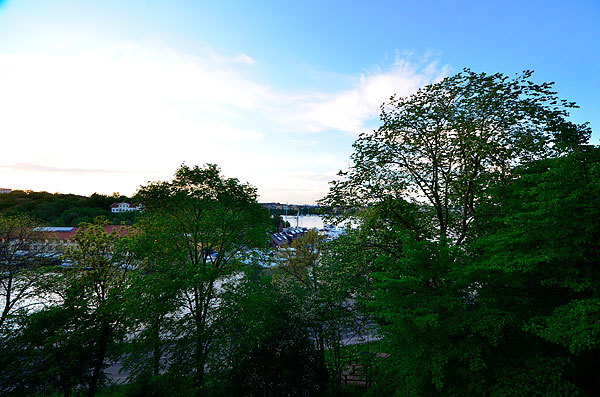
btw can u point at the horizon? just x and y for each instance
(131, 196)
(108, 96)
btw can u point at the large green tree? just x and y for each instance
(154, 294)
(64, 346)
(540, 250)
(444, 145)
(422, 181)
(209, 224)
(98, 276)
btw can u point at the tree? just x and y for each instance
(23, 253)
(540, 251)
(97, 280)
(209, 224)
(53, 350)
(265, 347)
(325, 281)
(421, 182)
(299, 269)
(64, 346)
(77, 215)
(151, 299)
(441, 147)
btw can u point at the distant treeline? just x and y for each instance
(64, 209)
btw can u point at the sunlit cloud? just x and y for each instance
(126, 114)
(350, 109)
(243, 58)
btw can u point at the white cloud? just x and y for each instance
(115, 98)
(115, 117)
(349, 110)
(243, 58)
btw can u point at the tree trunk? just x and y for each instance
(156, 353)
(63, 385)
(338, 368)
(200, 361)
(7, 303)
(100, 359)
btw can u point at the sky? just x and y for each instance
(106, 96)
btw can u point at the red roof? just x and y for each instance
(114, 205)
(68, 235)
(121, 230)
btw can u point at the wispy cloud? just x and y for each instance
(243, 58)
(350, 109)
(139, 109)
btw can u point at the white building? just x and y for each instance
(124, 207)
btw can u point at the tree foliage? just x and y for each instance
(97, 279)
(539, 251)
(325, 281)
(64, 209)
(22, 254)
(64, 346)
(464, 194)
(265, 347)
(444, 145)
(209, 225)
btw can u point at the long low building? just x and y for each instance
(66, 233)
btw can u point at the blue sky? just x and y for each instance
(107, 95)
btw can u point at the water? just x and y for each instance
(307, 221)
(312, 221)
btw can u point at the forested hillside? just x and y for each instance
(63, 209)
